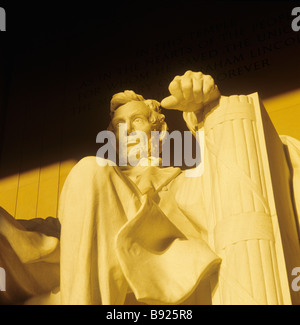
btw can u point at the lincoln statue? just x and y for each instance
(146, 233)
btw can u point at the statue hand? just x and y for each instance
(191, 92)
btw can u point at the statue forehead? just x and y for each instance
(131, 108)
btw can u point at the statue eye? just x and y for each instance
(138, 120)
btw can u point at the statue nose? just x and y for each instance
(130, 127)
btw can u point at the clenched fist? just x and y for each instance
(190, 92)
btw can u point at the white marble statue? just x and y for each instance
(150, 234)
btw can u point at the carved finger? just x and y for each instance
(175, 89)
(188, 73)
(187, 87)
(198, 90)
(208, 85)
(197, 75)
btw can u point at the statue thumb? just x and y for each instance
(170, 102)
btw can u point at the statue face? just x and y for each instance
(136, 116)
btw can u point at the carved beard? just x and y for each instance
(137, 146)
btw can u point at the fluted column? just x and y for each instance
(242, 229)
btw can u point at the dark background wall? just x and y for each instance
(62, 62)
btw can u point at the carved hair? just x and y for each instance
(156, 118)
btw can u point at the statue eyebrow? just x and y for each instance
(118, 120)
(137, 115)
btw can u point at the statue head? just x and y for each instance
(138, 113)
